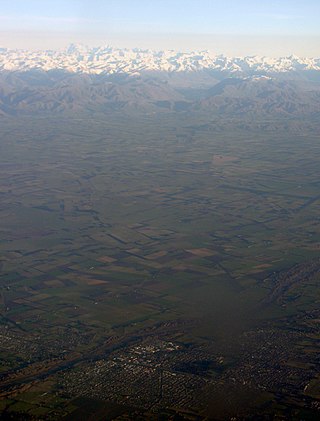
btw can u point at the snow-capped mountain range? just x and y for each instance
(108, 60)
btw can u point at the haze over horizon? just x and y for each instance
(232, 28)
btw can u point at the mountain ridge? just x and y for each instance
(103, 78)
(39, 91)
(109, 60)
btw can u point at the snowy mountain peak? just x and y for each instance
(78, 58)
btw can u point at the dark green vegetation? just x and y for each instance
(163, 266)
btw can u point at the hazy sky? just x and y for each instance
(234, 27)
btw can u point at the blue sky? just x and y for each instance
(180, 24)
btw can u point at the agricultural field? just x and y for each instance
(165, 260)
